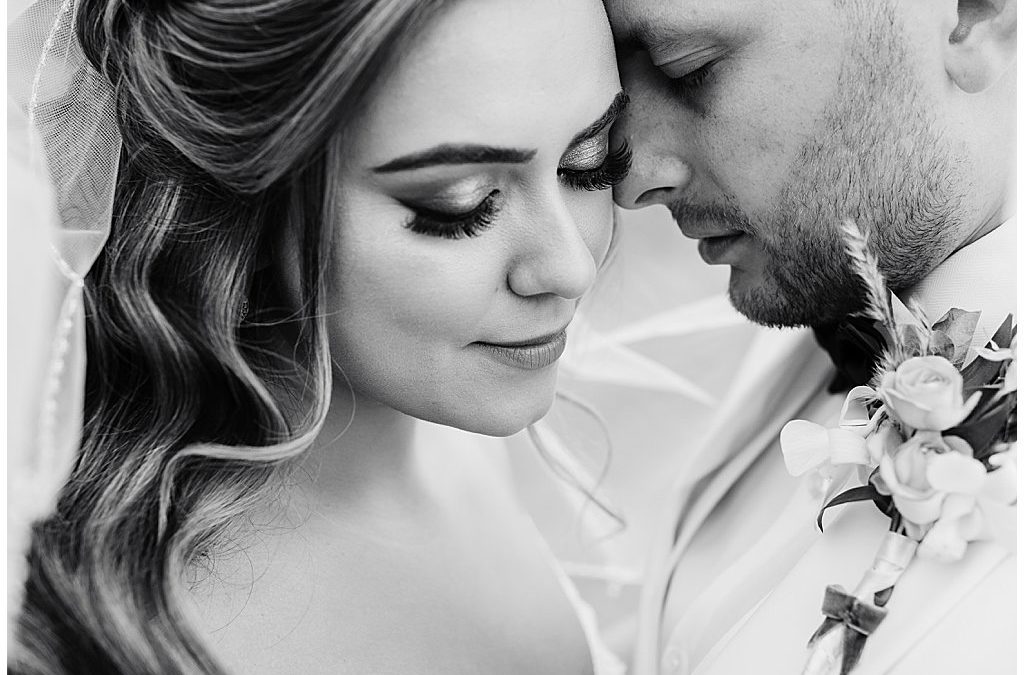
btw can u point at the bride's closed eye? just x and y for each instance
(612, 169)
(591, 166)
(590, 163)
(467, 209)
(458, 225)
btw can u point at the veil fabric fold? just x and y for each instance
(62, 157)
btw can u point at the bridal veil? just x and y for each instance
(62, 157)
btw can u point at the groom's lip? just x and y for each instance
(706, 230)
(715, 250)
(716, 236)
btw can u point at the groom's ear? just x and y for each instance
(983, 44)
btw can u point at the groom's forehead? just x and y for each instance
(649, 23)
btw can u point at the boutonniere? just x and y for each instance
(931, 443)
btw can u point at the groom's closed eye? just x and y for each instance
(683, 63)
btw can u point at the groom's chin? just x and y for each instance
(763, 300)
(754, 297)
(760, 299)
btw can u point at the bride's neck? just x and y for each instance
(365, 451)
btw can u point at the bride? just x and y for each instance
(331, 219)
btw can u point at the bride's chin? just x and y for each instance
(504, 416)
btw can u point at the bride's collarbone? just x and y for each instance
(463, 586)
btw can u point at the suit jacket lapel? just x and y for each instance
(781, 370)
(928, 591)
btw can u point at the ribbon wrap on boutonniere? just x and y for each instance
(931, 443)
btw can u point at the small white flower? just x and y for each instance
(946, 497)
(807, 446)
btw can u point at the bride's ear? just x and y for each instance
(983, 45)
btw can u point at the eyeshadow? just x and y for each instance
(587, 155)
(457, 196)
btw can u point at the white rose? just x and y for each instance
(926, 393)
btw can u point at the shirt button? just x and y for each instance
(674, 661)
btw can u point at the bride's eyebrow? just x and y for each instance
(606, 119)
(456, 154)
(449, 154)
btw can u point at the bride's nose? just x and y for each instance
(560, 260)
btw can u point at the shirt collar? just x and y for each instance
(978, 277)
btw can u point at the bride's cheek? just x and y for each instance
(402, 301)
(595, 218)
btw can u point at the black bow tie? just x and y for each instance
(854, 344)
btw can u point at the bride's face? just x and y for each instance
(474, 212)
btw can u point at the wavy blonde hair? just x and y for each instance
(233, 115)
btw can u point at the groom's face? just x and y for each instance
(762, 124)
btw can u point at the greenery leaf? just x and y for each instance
(959, 327)
(1005, 333)
(982, 429)
(858, 494)
(980, 373)
(939, 344)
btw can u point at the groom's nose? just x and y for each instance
(661, 170)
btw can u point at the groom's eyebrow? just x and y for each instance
(636, 36)
(656, 40)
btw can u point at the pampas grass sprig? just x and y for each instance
(879, 299)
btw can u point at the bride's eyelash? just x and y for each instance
(471, 223)
(456, 225)
(612, 171)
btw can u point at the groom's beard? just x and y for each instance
(878, 158)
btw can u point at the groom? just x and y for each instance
(762, 125)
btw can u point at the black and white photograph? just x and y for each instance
(512, 337)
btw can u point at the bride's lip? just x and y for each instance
(530, 354)
(530, 342)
